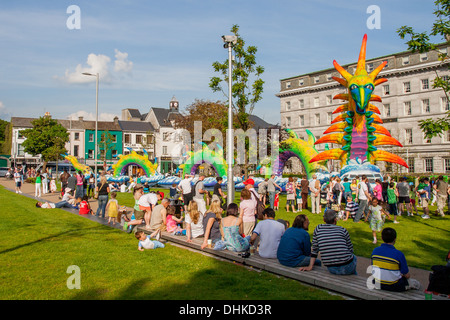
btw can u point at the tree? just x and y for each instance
(421, 42)
(47, 138)
(247, 85)
(245, 91)
(5, 137)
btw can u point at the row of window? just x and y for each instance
(408, 110)
(370, 66)
(429, 165)
(316, 119)
(140, 138)
(386, 91)
(425, 107)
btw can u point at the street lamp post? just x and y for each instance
(230, 41)
(96, 120)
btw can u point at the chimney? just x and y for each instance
(116, 120)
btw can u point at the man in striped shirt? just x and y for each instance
(335, 247)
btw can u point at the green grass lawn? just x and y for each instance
(38, 245)
(424, 242)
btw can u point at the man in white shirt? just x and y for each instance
(314, 187)
(185, 187)
(363, 196)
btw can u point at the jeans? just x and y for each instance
(349, 268)
(102, 201)
(271, 198)
(79, 192)
(306, 260)
(363, 205)
(63, 204)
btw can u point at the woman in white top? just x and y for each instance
(194, 222)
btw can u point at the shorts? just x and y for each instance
(413, 202)
(187, 198)
(142, 208)
(18, 184)
(138, 215)
(299, 201)
(404, 200)
(425, 202)
(290, 202)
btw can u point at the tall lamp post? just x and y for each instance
(96, 120)
(230, 41)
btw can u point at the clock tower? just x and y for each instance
(174, 105)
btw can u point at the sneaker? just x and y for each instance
(396, 221)
(425, 216)
(130, 229)
(158, 235)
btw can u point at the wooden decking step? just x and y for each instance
(350, 285)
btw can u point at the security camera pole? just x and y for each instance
(230, 41)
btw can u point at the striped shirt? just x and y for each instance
(391, 264)
(352, 206)
(334, 244)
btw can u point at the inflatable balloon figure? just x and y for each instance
(78, 166)
(213, 156)
(120, 168)
(357, 129)
(303, 150)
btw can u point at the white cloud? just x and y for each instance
(91, 116)
(122, 63)
(98, 64)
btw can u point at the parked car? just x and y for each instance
(3, 171)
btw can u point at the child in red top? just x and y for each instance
(276, 203)
(85, 208)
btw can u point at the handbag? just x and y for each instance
(260, 207)
(96, 192)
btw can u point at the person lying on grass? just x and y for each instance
(61, 204)
(145, 241)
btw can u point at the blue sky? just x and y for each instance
(148, 51)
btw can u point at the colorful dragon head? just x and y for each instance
(357, 127)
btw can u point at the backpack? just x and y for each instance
(290, 187)
(439, 280)
(192, 194)
(260, 207)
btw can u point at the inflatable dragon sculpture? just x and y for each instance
(357, 129)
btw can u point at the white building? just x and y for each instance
(166, 138)
(306, 102)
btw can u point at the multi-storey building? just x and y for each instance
(307, 104)
(81, 140)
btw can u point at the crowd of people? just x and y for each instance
(235, 227)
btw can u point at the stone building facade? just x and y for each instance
(306, 103)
